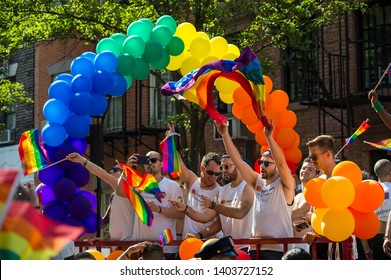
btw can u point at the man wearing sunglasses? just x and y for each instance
(165, 216)
(274, 192)
(231, 207)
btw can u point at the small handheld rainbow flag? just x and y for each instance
(166, 236)
(170, 155)
(32, 154)
(363, 127)
(8, 182)
(382, 145)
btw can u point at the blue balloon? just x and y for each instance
(81, 103)
(55, 111)
(54, 134)
(72, 222)
(51, 152)
(82, 65)
(49, 176)
(120, 85)
(90, 222)
(55, 210)
(61, 90)
(79, 207)
(81, 83)
(64, 189)
(78, 174)
(99, 104)
(89, 55)
(79, 143)
(62, 152)
(77, 126)
(102, 81)
(46, 194)
(106, 61)
(91, 197)
(64, 77)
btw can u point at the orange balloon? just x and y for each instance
(337, 192)
(297, 141)
(312, 192)
(367, 225)
(189, 247)
(369, 196)
(115, 255)
(248, 116)
(279, 100)
(273, 115)
(293, 154)
(96, 254)
(261, 138)
(241, 97)
(263, 148)
(255, 127)
(349, 170)
(338, 225)
(285, 137)
(288, 118)
(237, 110)
(268, 84)
(317, 218)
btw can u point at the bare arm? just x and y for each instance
(201, 217)
(383, 114)
(387, 240)
(169, 212)
(187, 176)
(249, 175)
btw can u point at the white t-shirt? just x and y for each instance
(122, 217)
(383, 211)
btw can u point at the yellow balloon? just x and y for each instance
(338, 192)
(199, 47)
(191, 96)
(96, 254)
(225, 85)
(218, 46)
(202, 35)
(233, 49)
(186, 31)
(338, 225)
(226, 97)
(189, 64)
(317, 218)
(176, 61)
(208, 59)
(230, 56)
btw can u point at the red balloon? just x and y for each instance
(242, 255)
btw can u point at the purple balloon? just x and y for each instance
(51, 152)
(78, 174)
(64, 189)
(72, 222)
(79, 143)
(91, 197)
(46, 193)
(55, 210)
(51, 175)
(90, 222)
(79, 207)
(62, 152)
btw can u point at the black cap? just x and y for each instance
(223, 246)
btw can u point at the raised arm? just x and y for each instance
(383, 114)
(248, 174)
(187, 176)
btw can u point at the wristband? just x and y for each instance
(127, 255)
(386, 237)
(200, 234)
(85, 162)
(160, 210)
(378, 107)
(213, 205)
(187, 206)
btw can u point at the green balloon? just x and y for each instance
(141, 29)
(129, 80)
(161, 34)
(109, 44)
(167, 21)
(153, 51)
(176, 46)
(141, 69)
(119, 38)
(125, 64)
(148, 22)
(134, 45)
(162, 62)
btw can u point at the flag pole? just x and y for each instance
(346, 142)
(51, 164)
(382, 77)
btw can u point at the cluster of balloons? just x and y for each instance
(344, 203)
(199, 49)
(60, 188)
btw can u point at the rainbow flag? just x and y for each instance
(171, 161)
(140, 206)
(27, 235)
(363, 127)
(32, 154)
(8, 182)
(166, 236)
(389, 69)
(382, 145)
(146, 183)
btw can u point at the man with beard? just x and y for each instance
(274, 192)
(165, 216)
(231, 206)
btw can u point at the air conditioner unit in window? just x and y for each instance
(7, 136)
(236, 129)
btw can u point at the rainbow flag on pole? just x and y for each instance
(28, 235)
(8, 182)
(166, 236)
(32, 154)
(363, 127)
(171, 161)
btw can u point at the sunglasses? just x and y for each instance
(314, 157)
(225, 166)
(154, 160)
(116, 169)
(211, 173)
(266, 163)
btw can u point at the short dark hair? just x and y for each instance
(153, 252)
(211, 156)
(296, 254)
(323, 141)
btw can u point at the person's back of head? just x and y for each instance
(382, 168)
(153, 252)
(323, 141)
(296, 254)
(218, 249)
(84, 256)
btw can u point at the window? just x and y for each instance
(160, 106)
(113, 121)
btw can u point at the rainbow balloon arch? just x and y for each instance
(77, 97)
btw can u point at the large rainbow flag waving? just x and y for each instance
(32, 154)
(382, 145)
(245, 71)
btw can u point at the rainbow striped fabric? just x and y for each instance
(363, 127)
(170, 161)
(32, 154)
(166, 236)
(27, 235)
(382, 145)
(8, 182)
